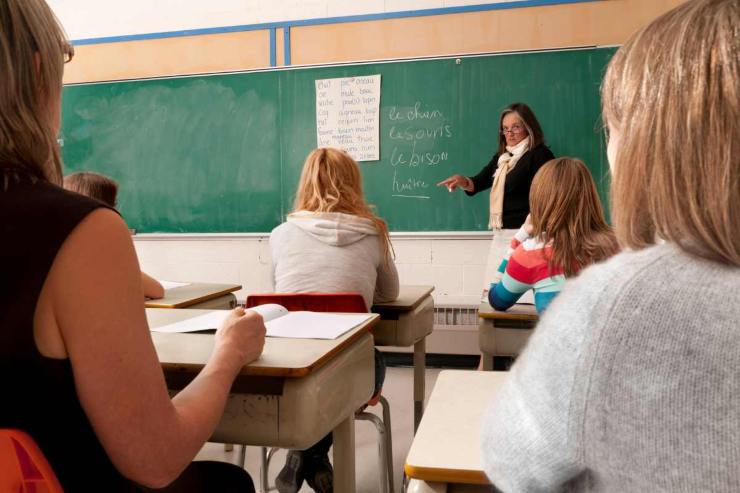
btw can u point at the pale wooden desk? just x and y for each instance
(445, 455)
(295, 393)
(405, 322)
(504, 333)
(199, 295)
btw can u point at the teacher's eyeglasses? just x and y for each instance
(515, 129)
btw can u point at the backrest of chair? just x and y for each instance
(313, 302)
(23, 467)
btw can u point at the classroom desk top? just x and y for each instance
(520, 311)
(294, 394)
(409, 297)
(194, 293)
(282, 357)
(446, 448)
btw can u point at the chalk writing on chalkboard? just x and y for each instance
(348, 114)
(419, 135)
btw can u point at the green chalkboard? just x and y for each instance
(223, 153)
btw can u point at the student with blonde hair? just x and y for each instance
(630, 381)
(104, 189)
(78, 369)
(565, 232)
(332, 242)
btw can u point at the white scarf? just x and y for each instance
(506, 163)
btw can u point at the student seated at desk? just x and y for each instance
(78, 369)
(105, 189)
(630, 382)
(564, 232)
(331, 243)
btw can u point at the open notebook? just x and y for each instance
(279, 323)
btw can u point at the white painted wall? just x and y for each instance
(454, 266)
(85, 19)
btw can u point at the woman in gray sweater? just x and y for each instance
(630, 382)
(331, 243)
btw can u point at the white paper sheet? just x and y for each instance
(296, 325)
(173, 284)
(208, 321)
(348, 115)
(269, 311)
(314, 325)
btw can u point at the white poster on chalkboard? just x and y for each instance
(348, 115)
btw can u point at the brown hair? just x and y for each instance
(33, 50)
(526, 115)
(331, 182)
(672, 94)
(94, 185)
(566, 211)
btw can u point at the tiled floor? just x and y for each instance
(398, 390)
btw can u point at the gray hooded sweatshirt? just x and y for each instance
(331, 252)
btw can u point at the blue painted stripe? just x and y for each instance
(438, 11)
(328, 20)
(273, 48)
(174, 34)
(286, 45)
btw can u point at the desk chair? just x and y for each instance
(331, 302)
(23, 467)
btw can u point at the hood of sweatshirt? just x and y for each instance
(333, 228)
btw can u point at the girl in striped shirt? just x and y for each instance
(564, 232)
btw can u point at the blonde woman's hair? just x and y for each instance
(331, 182)
(566, 212)
(33, 50)
(672, 92)
(94, 185)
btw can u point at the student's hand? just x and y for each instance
(153, 290)
(241, 336)
(455, 181)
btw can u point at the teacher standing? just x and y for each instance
(521, 153)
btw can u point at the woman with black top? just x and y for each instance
(521, 153)
(78, 369)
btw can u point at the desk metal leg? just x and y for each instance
(420, 366)
(264, 466)
(344, 455)
(486, 343)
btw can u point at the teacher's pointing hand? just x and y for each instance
(455, 181)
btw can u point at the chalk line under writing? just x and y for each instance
(411, 196)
